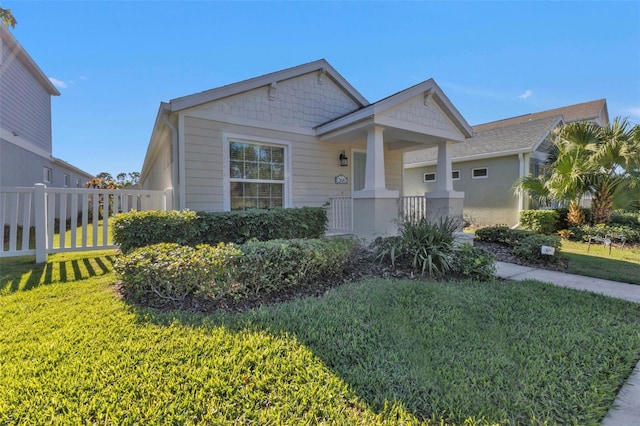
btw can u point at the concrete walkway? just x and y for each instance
(626, 408)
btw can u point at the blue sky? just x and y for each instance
(115, 61)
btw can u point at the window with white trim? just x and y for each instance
(429, 177)
(480, 173)
(67, 180)
(46, 175)
(455, 174)
(256, 175)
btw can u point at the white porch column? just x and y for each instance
(374, 174)
(374, 177)
(375, 208)
(444, 201)
(444, 180)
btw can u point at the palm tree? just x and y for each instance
(570, 168)
(615, 180)
(589, 159)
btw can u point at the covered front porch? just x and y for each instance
(416, 118)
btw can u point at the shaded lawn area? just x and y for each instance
(374, 352)
(621, 265)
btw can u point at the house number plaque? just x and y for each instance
(342, 179)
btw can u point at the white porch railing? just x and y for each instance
(340, 215)
(30, 217)
(340, 212)
(412, 208)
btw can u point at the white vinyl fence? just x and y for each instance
(31, 217)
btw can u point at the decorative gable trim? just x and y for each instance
(321, 65)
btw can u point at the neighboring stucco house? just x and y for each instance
(486, 166)
(25, 123)
(302, 136)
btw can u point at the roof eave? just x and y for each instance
(320, 65)
(16, 48)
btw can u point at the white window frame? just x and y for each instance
(227, 138)
(452, 174)
(473, 173)
(66, 180)
(78, 182)
(424, 177)
(47, 174)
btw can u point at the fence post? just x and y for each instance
(40, 205)
(168, 199)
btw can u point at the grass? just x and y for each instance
(375, 352)
(620, 265)
(67, 237)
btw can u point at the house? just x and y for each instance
(486, 166)
(25, 123)
(302, 136)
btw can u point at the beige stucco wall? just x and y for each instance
(314, 164)
(487, 201)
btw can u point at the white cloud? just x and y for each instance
(526, 95)
(58, 83)
(633, 111)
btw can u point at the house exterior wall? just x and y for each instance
(314, 164)
(23, 168)
(487, 201)
(25, 106)
(301, 102)
(160, 173)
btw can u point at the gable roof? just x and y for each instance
(494, 141)
(579, 112)
(320, 65)
(428, 88)
(18, 51)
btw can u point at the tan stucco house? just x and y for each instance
(303, 136)
(486, 166)
(25, 123)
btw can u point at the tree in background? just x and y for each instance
(8, 18)
(590, 159)
(104, 180)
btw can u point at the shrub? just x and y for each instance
(168, 272)
(473, 262)
(529, 248)
(493, 234)
(268, 266)
(582, 233)
(263, 225)
(422, 246)
(139, 229)
(540, 221)
(622, 218)
(501, 235)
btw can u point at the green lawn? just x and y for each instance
(621, 265)
(375, 352)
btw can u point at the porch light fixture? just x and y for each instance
(343, 159)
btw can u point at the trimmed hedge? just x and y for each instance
(139, 229)
(269, 266)
(168, 273)
(263, 225)
(540, 221)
